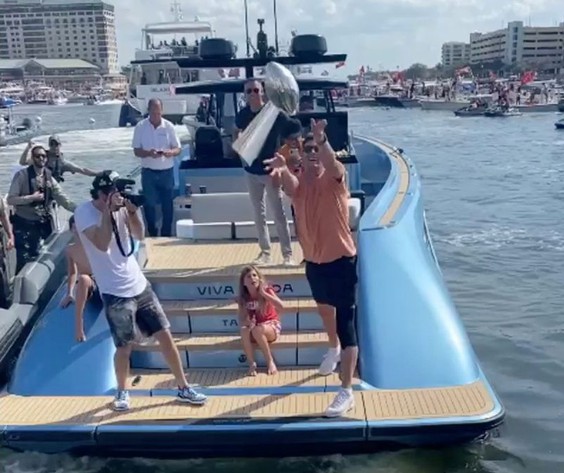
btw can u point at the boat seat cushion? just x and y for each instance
(188, 229)
(231, 211)
(229, 207)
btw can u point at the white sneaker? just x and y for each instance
(330, 360)
(121, 401)
(263, 259)
(343, 402)
(289, 261)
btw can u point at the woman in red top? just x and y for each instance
(258, 317)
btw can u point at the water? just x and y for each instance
(493, 198)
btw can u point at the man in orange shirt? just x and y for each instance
(320, 198)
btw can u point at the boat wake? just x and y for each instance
(498, 236)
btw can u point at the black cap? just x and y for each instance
(54, 138)
(105, 180)
(292, 128)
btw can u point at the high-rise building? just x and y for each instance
(455, 53)
(58, 29)
(541, 47)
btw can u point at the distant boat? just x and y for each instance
(499, 112)
(6, 102)
(559, 124)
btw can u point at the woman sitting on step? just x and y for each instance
(258, 317)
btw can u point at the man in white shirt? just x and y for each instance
(156, 143)
(107, 226)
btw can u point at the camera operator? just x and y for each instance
(107, 226)
(32, 193)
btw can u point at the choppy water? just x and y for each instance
(493, 195)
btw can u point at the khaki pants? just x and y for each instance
(258, 186)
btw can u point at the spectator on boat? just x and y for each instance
(79, 281)
(258, 307)
(306, 103)
(6, 225)
(107, 226)
(155, 142)
(56, 162)
(292, 150)
(292, 147)
(260, 183)
(320, 198)
(32, 193)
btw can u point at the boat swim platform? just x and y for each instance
(371, 408)
(223, 379)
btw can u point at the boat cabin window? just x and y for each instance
(163, 73)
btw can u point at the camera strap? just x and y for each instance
(118, 239)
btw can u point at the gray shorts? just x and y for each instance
(127, 316)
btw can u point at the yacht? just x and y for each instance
(155, 72)
(419, 381)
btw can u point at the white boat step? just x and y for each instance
(220, 316)
(181, 270)
(212, 350)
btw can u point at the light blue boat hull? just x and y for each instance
(410, 336)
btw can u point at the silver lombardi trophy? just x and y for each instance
(283, 95)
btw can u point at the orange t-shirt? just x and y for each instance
(322, 208)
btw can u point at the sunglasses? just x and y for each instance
(40, 155)
(310, 149)
(251, 91)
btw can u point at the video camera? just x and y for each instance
(125, 188)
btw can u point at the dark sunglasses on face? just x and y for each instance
(310, 149)
(251, 91)
(40, 155)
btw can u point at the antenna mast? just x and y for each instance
(176, 10)
(275, 28)
(247, 39)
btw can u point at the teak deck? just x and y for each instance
(171, 259)
(371, 406)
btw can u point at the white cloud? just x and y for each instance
(380, 33)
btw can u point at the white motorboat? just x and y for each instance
(155, 72)
(452, 105)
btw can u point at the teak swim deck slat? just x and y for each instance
(235, 378)
(171, 259)
(232, 341)
(371, 406)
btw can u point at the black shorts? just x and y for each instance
(127, 316)
(333, 283)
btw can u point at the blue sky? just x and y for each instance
(379, 33)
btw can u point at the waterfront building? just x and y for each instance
(455, 53)
(58, 29)
(535, 47)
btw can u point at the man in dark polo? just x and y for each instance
(260, 183)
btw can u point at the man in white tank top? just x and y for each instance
(107, 226)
